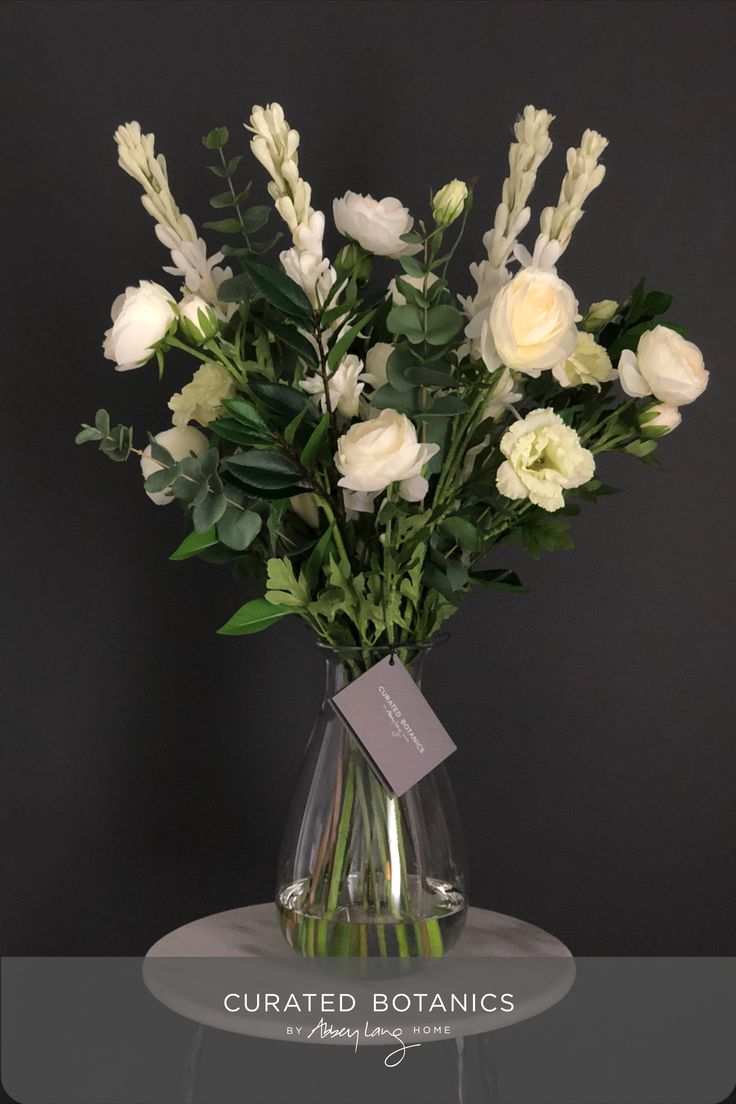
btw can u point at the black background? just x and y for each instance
(146, 762)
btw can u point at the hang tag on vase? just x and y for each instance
(394, 723)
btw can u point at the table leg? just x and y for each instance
(189, 1077)
(475, 1067)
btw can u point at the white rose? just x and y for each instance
(543, 458)
(660, 418)
(666, 366)
(201, 400)
(533, 321)
(197, 319)
(344, 387)
(311, 271)
(180, 442)
(372, 455)
(376, 360)
(141, 317)
(588, 364)
(375, 224)
(397, 298)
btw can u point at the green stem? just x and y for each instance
(342, 836)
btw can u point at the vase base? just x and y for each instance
(429, 930)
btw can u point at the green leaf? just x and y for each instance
(279, 290)
(295, 340)
(499, 579)
(236, 288)
(238, 528)
(462, 531)
(253, 617)
(264, 468)
(293, 427)
(245, 413)
(230, 429)
(640, 449)
(408, 322)
(208, 510)
(102, 422)
(162, 479)
(437, 580)
(282, 399)
(225, 226)
(425, 376)
(283, 586)
(443, 323)
(87, 433)
(398, 366)
(226, 171)
(388, 398)
(224, 199)
(656, 302)
(317, 436)
(216, 138)
(194, 544)
(341, 346)
(316, 559)
(255, 218)
(447, 406)
(411, 266)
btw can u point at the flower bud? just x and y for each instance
(598, 315)
(658, 419)
(197, 320)
(449, 202)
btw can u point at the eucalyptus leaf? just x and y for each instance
(407, 321)
(498, 579)
(238, 528)
(208, 510)
(225, 226)
(443, 323)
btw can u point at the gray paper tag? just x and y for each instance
(388, 714)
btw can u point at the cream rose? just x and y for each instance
(533, 321)
(588, 365)
(543, 458)
(201, 400)
(141, 317)
(372, 455)
(666, 366)
(375, 224)
(180, 442)
(344, 387)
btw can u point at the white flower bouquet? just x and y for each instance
(364, 443)
(357, 438)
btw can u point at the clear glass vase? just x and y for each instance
(361, 871)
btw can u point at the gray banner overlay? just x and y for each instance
(272, 1031)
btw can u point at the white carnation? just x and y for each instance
(588, 364)
(201, 400)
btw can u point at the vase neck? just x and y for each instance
(345, 665)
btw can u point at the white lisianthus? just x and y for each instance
(313, 272)
(201, 400)
(599, 314)
(374, 454)
(658, 419)
(543, 458)
(180, 442)
(397, 298)
(376, 360)
(344, 387)
(197, 319)
(532, 321)
(448, 202)
(588, 365)
(141, 317)
(666, 366)
(375, 224)
(305, 507)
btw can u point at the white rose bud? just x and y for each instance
(599, 314)
(197, 320)
(374, 454)
(588, 365)
(533, 321)
(543, 458)
(375, 224)
(376, 360)
(658, 419)
(449, 202)
(141, 317)
(180, 442)
(666, 366)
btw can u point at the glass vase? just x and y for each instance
(361, 871)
